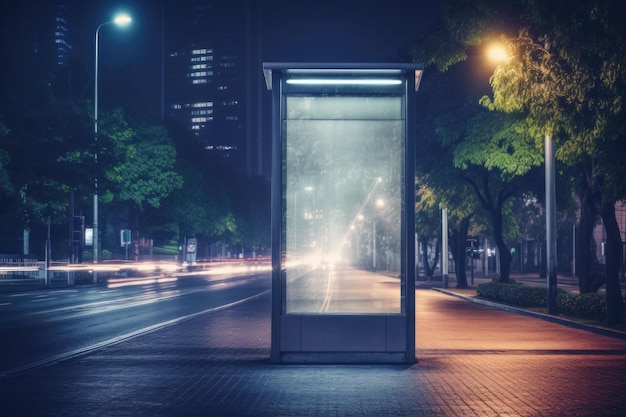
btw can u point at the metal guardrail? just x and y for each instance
(27, 273)
(32, 273)
(21, 269)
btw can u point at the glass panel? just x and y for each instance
(342, 225)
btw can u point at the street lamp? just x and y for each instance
(498, 53)
(119, 20)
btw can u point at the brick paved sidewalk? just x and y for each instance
(473, 361)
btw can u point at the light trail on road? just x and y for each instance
(47, 326)
(115, 340)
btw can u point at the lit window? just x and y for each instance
(201, 112)
(202, 104)
(202, 58)
(199, 74)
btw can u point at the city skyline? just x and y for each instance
(135, 61)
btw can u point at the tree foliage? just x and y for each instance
(141, 166)
(483, 161)
(565, 77)
(441, 127)
(427, 225)
(155, 180)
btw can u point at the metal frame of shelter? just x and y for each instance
(327, 117)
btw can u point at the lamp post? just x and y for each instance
(499, 54)
(119, 20)
(551, 222)
(444, 247)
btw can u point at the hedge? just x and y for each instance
(583, 306)
(586, 306)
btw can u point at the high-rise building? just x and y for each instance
(39, 34)
(210, 77)
(62, 45)
(35, 45)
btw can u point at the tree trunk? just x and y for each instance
(458, 239)
(429, 268)
(424, 241)
(613, 256)
(435, 260)
(503, 250)
(590, 274)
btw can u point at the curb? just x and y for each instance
(553, 319)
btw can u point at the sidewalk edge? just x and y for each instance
(553, 319)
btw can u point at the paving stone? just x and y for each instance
(473, 361)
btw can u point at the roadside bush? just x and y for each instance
(514, 293)
(586, 306)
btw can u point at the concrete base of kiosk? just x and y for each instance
(343, 339)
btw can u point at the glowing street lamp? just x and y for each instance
(499, 54)
(119, 20)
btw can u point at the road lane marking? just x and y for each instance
(119, 339)
(39, 300)
(128, 301)
(328, 293)
(78, 311)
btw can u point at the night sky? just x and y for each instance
(290, 31)
(341, 31)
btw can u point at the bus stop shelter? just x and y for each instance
(343, 203)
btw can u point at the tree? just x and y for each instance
(427, 226)
(486, 151)
(585, 112)
(565, 77)
(54, 128)
(146, 173)
(498, 160)
(200, 208)
(134, 169)
(251, 206)
(441, 126)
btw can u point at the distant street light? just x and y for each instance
(499, 54)
(119, 20)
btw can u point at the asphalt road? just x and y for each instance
(40, 327)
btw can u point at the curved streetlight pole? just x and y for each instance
(119, 20)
